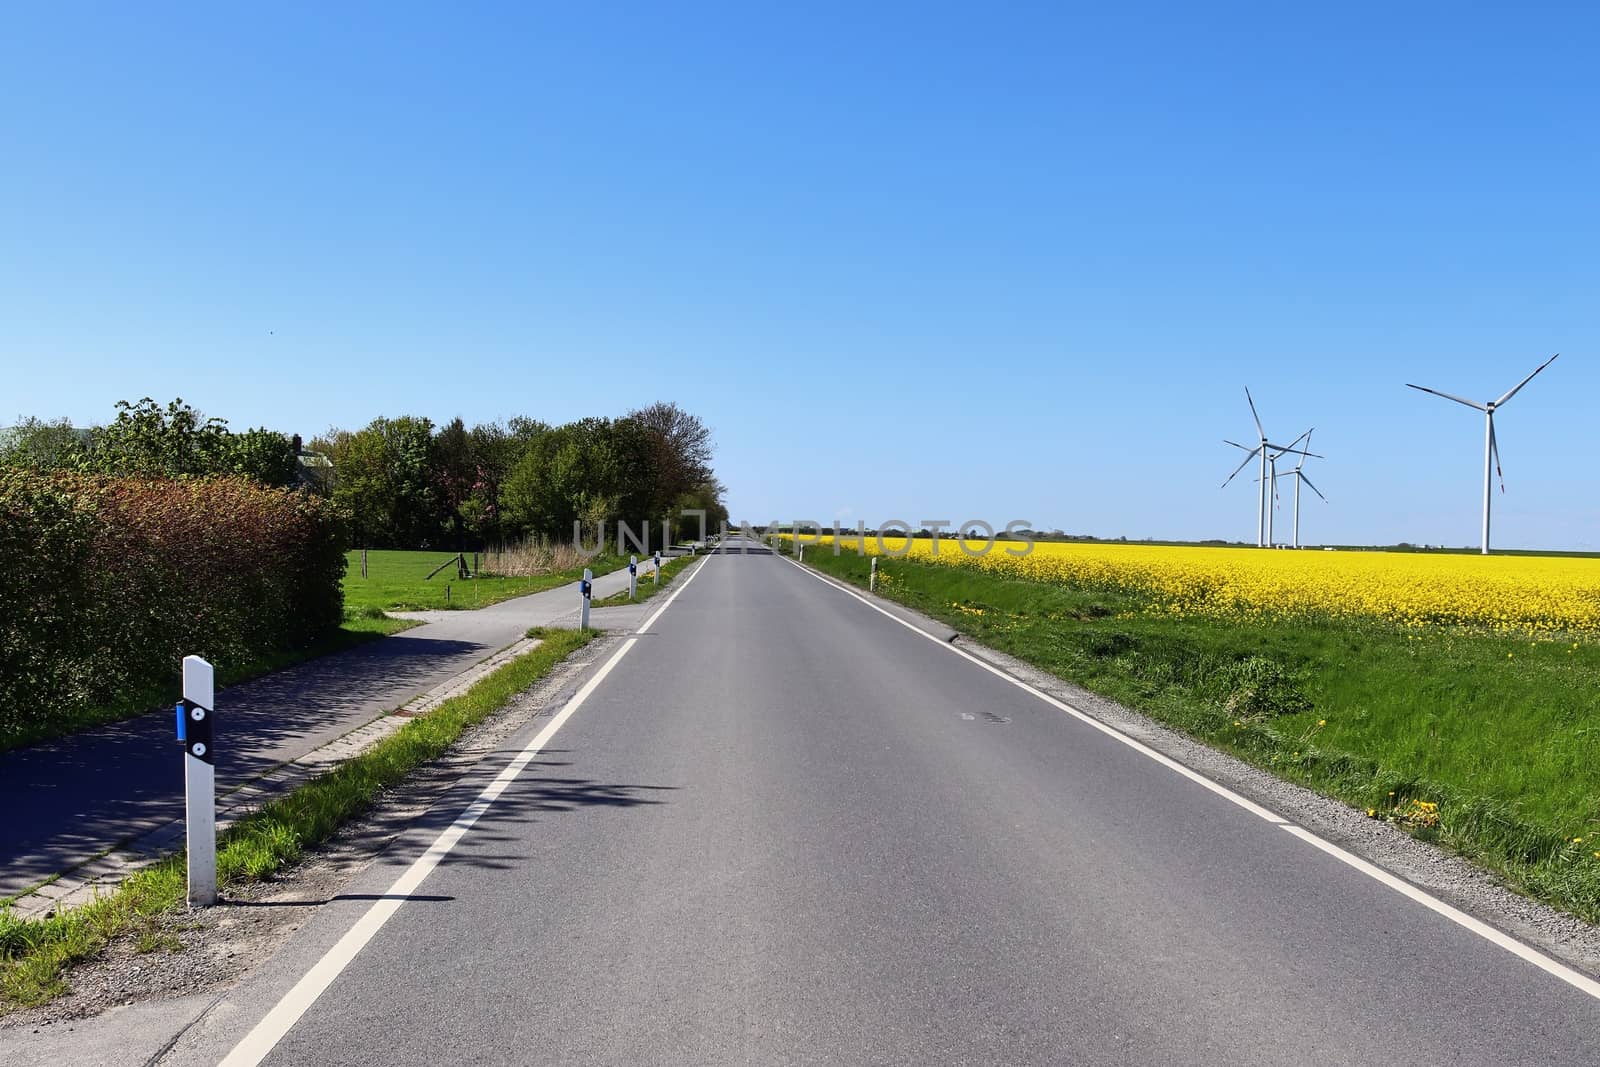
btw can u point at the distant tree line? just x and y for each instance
(154, 442)
(410, 484)
(405, 483)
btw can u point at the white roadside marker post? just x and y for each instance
(585, 590)
(633, 577)
(872, 580)
(657, 573)
(199, 778)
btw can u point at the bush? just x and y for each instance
(1261, 688)
(108, 582)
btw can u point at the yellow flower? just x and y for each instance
(1322, 722)
(1517, 596)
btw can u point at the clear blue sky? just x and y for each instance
(917, 261)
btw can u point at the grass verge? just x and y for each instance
(1489, 746)
(398, 581)
(35, 954)
(359, 627)
(647, 587)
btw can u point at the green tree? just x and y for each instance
(360, 482)
(42, 444)
(495, 451)
(417, 517)
(149, 440)
(454, 476)
(383, 475)
(264, 455)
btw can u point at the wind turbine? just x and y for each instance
(1299, 475)
(1273, 476)
(1491, 449)
(1265, 451)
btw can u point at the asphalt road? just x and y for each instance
(786, 829)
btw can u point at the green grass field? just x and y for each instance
(1503, 735)
(398, 581)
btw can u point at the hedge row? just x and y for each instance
(106, 583)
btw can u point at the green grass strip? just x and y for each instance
(35, 954)
(648, 588)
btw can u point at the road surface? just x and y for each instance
(784, 828)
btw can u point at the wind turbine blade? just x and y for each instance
(1302, 462)
(1457, 399)
(1240, 447)
(1526, 380)
(1297, 440)
(1285, 450)
(1242, 465)
(1253, 414)
(1314, 489)
(1494, 448)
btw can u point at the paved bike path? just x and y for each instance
(72, 799)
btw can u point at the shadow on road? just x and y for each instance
(524, 801)
(82, 794)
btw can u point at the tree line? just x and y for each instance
(405, 482)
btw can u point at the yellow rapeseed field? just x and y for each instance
(1514, 595)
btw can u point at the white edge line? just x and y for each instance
(266, 1034)
(1456, 915)
(686, 580)
(1556, 968)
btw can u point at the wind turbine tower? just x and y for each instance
(1491, 449)
(1267, 453)
(1298, 473)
